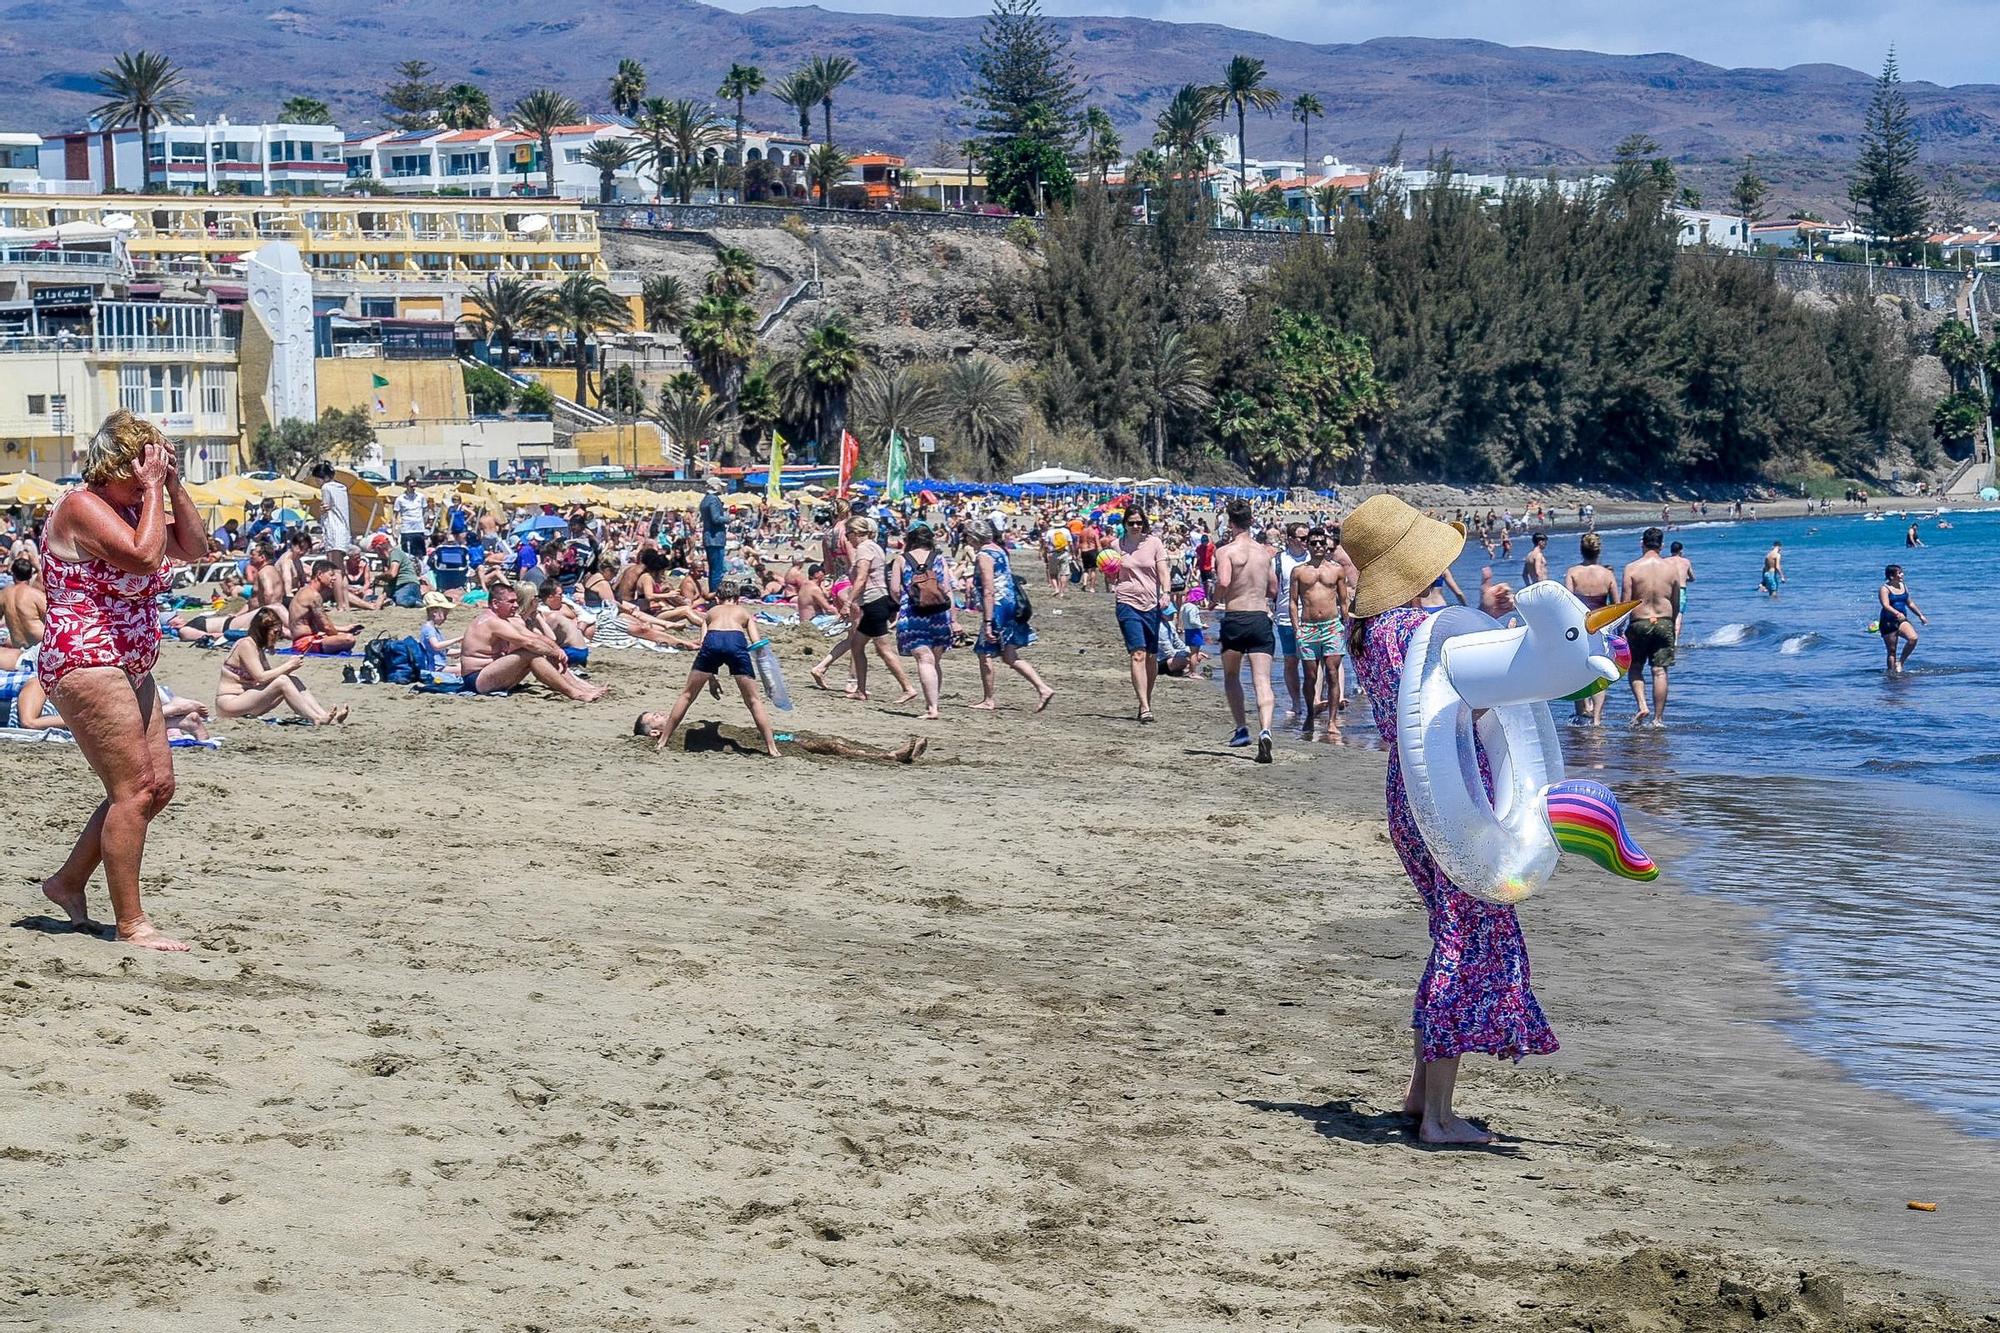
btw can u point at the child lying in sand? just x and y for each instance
(713, 737)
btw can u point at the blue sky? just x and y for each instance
(1942, 41)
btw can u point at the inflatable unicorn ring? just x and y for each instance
(1461, 662)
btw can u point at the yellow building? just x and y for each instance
(173, 363)
(406, 258)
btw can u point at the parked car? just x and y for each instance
(373, 477)
(441, 476)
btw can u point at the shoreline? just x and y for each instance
(1003, 1039)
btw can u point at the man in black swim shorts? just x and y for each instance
(1246, 580)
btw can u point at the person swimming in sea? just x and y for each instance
(1893, 620)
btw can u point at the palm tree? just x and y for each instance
(798, 91)
(1243, 87)
(735, 272)
(628, 88)
(1304, 107)
(465, 106)
(1174, 379)
(828, 73)
(652, 122)
(891, 401)
(826, 166)
(829, 360)
(740, 82)
(720, 334)
(1331, 201)
(506, 307)
(582, 306)
(1184, 123)
(304, 111)
(664, 298)
(541, 113)
(688, 412)
(985, 408)
(691, 129)
(758, 407)
(141, 88)
(1101, 149)
(610, 156)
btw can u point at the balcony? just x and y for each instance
(94, 260)
(116, 345)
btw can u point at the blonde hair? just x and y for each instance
(114, 451)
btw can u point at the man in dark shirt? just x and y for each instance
(714, 531)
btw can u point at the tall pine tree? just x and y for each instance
(1887, 194)
(1026, 102)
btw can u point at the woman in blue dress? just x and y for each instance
(921, 582)
(1001, 633)
(1893, 619)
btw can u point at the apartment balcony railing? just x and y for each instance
(90, 259)
(113, 344)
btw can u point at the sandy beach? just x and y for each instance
(496, 1020)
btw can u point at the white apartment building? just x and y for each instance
(218, 158)
(20, 161)
(1723, 231)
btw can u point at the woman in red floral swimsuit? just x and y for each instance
(104, 564)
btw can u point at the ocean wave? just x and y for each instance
(1732, 635)
(1798, 643)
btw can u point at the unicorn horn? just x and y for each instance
(1606, 616)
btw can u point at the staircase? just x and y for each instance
(1976, 472)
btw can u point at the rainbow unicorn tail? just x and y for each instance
(1585, 820)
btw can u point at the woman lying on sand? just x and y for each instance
(251, 687)
(714, 737)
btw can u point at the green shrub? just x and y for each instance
(535, 400)
(489, 392)
(1024, 233)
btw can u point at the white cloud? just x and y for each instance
(1941, 41)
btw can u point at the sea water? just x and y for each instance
(1857, 812)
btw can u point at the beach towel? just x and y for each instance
(785, 617)
(611, 633)
(62, 737)
(292, 652)
(455, 685)
(832, 626)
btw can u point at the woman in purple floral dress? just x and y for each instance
(1475, 994)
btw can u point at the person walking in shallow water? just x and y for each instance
(1893, 620)
(1475, 993)
(1774, 570)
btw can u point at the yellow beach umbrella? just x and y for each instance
(25, 488)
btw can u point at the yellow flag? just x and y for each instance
(772, 491)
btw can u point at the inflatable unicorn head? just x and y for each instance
(1558, 648)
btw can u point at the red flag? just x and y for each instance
(850, 458)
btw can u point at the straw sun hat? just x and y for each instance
(1398, 551)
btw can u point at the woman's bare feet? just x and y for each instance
(907, 696)
(1046, 696)
(1454, 1129)
(140, 933)
(930, 715)
(341, 714)
(73, 903)
(818, 675)
(986, 704)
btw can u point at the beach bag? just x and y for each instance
(926, 589)
(375, 658)
(402, 661)
(1024, 610)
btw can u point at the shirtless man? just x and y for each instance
(23, 605)
(1676, 554)
(1319, 597)
(312, 631)
(1654, 582)
(499, 653)
(1245, 581)
(1774, 570)
(813, 598)
(292, 567)
(548, 614)
(1536, 567)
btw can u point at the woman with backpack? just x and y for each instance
(1003, 629)
(921, 583)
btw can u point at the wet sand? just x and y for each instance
(497, 1020)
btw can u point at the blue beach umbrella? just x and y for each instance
(541, 523)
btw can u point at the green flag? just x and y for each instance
(380, 382)
(899, 468)
(773, 491)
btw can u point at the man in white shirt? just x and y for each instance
(413, 518)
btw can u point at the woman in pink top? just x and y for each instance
(105, 556)
(1139, 589)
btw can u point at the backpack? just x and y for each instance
(925, 589)
(403, 661)
(1024, 610)
(375, 657)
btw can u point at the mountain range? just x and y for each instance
(1492, 106)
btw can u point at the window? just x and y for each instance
(132, 388)
(214, 398)
(378, 307)
(572, 155)
(468, 164)
(410, 164)
(38, 404)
